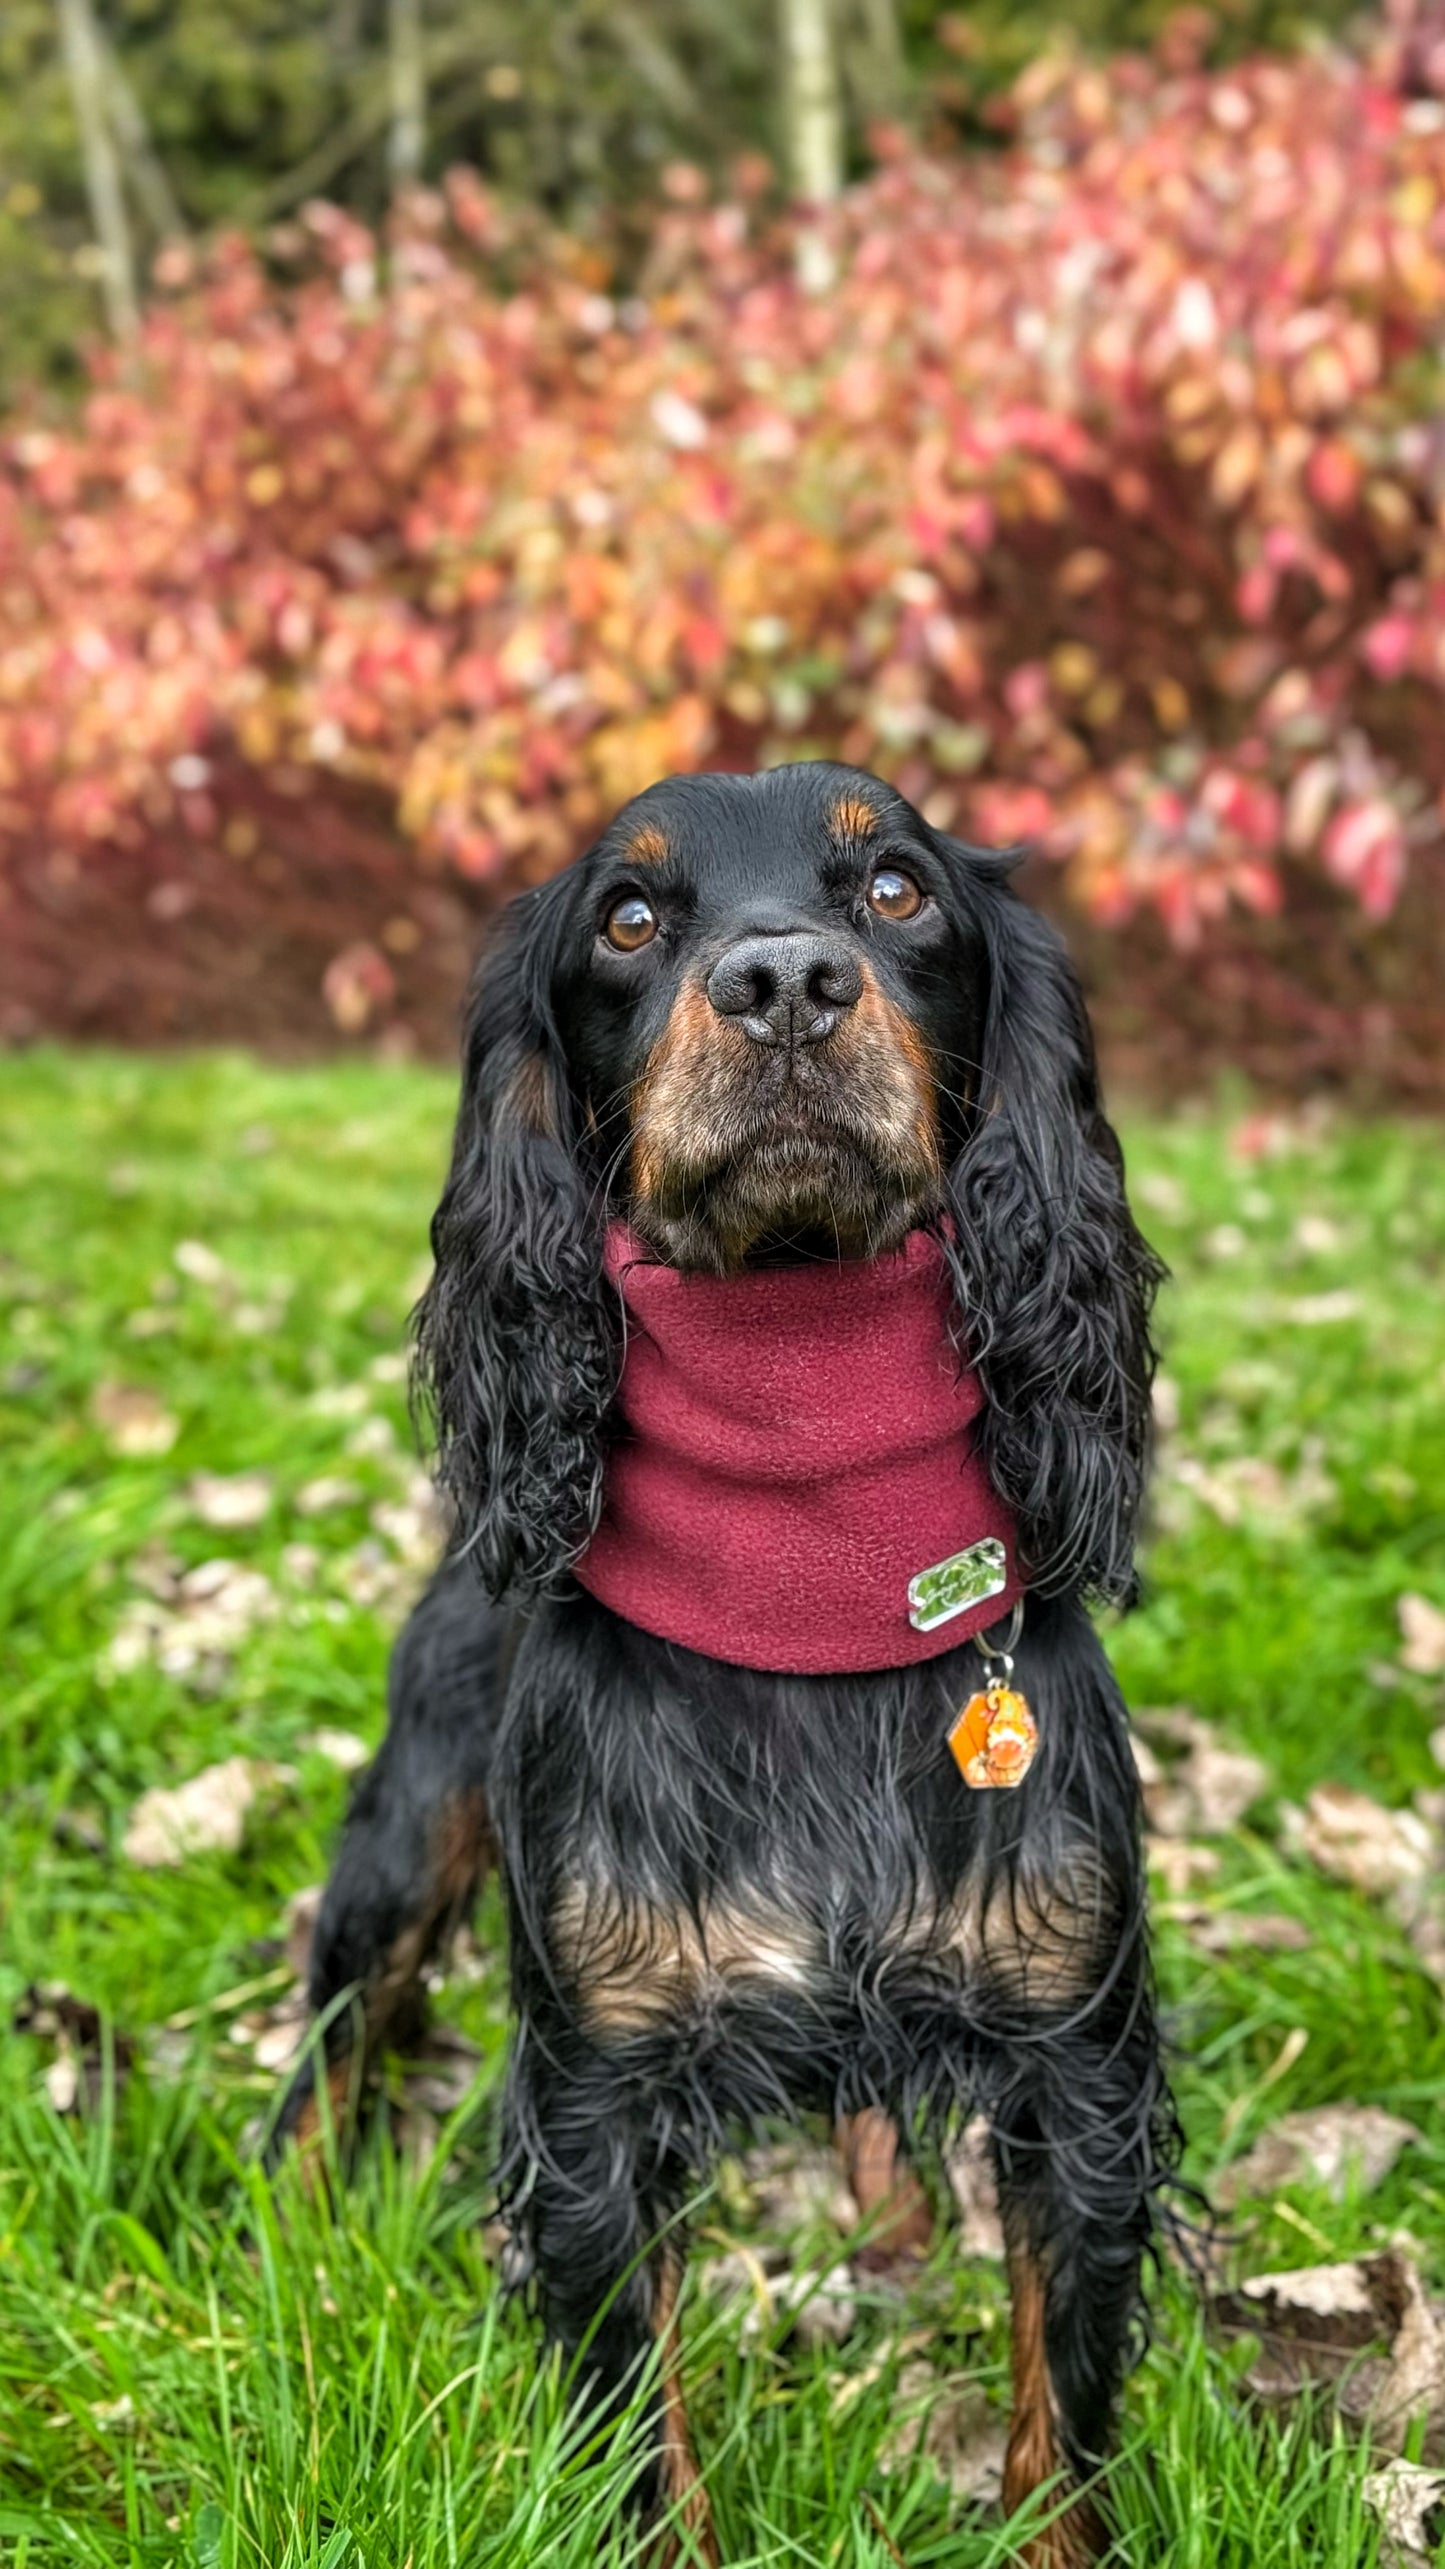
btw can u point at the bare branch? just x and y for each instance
(406, 65)
(86, 67)
(144, 170)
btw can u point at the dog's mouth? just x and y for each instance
(740, 1156)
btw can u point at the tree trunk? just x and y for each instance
(152, 187)
(406, 146)
(86, 67)
(814, 125)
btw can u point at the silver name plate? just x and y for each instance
(952, 1586)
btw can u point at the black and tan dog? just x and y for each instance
(766, 1019)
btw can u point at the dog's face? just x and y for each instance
(773, 1016)
(771, 995)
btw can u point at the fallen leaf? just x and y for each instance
(1410, 2502)
(1422, 1629)
(1420, 1910)
(343, 1748)
(80, 1831)
(442, 2074)
(229, 1499)
(1198, 1789)
(952, 2424)
(190, 1627)
(119, 2412)
(1364, 2326)
(1228, 1931)
(969, 2169)
(278, 2042)
(371, 1577)
(207, 1814)
(200, 1264)
(796, 2185)
(1330, 2145)
(827, 2312)
(328, 1492)
(1249, 1487)
(1358, 1841)
(75, 2077)
(1179, 1864)
(133, 1421)
(1322, 1310)
(416, 1526)
(62, 2082)
(299, 1926)
(372, 1440)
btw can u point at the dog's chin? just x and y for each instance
(789, 1197)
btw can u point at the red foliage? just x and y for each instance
(1102, 499)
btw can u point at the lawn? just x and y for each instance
(205, 1268)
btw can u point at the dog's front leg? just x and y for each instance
(596, 2203)
(1078, 2137)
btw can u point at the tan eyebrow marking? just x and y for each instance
(648, 846)
(851, 817)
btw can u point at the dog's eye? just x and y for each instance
(893, 894)
(630, 923)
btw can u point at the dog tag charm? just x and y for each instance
(994, 1738)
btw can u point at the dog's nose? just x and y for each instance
(786, 990)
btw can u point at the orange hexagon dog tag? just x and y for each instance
(994, 1738)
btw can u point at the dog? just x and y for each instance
(794, 1061)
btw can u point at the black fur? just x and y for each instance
(942, 1949)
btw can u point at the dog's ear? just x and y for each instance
(515, 1356)
(1054, 1281)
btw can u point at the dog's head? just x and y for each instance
(766, 1017)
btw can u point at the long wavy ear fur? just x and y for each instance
(1054, 1281)
(515, 1356)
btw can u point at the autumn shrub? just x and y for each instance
(1101, 499)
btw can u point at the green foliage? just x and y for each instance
(193, 2374)
(577, 105)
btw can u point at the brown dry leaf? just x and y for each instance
(1422, 1631)
(132, 1420)
(74, 2078)
(275, 2036)
(952, 2424)
(441, 2075)
(1420, 1910)
(371, 1577)
(1249, 1488)
(1230, 1931)
(818, 2309)
(328, 1492)
(796, 2184)
(1198, 1788)
(205, 1814)
(416, 1526)
(1179, 1864)
(1330, 2145)
(342, 1748)
(1410, 2502)
(828, 2311)
(202, 1265)
(189, 1625)
(299, 1926)
(1365, 2326)
(968, 2167)
(1356, 1840)
(229, 1499)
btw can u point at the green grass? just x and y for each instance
(193, 2372)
